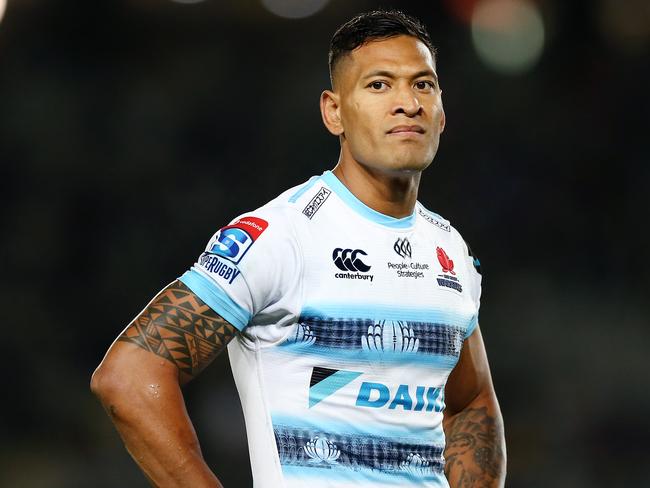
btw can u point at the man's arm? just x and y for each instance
(139, 380)
(476, 450)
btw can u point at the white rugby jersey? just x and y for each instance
(351, 322)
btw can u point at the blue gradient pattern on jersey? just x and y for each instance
(402, 431)
(389, 456)
(329, 385)
(361, 476)
(380, 311)
(404, 337)
(385, 336)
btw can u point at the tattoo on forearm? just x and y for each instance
(181, 328)
(474, 453)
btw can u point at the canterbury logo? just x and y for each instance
(347, 260)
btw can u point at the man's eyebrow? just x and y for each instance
(390, 74)
(380, 72)
(426, 72)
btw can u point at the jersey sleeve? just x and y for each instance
(475, 279)
(248, 266)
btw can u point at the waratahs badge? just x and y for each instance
(446, 263)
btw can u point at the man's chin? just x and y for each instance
(414, 161)
(399, 163)
(410, 166)
(400, 171)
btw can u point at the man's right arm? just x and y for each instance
(139, 381)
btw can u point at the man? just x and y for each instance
(353, 309)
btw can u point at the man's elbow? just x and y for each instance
(125, 382)
(104, 383)
(115, 390)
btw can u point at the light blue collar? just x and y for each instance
(362, 209)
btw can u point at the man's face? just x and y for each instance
(390, 104)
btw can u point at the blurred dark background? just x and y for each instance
(131, 130)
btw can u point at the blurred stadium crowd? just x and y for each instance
(131, 130)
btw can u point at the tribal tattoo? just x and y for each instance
(178, 326)
(474, 454)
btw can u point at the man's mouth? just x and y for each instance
(407, 129)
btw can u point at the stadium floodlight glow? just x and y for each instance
(462, 9)
(3, 6)
(294, 9)
(508, 35)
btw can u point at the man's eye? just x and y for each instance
(424, 85)
(377, 85)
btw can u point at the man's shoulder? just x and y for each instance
(305, 199)
(438, 223)
(283, 214)
(434, 219)
(441, 224)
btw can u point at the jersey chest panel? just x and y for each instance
(383, 274)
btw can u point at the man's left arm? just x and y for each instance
(475, 452)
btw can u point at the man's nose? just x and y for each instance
(407, 103)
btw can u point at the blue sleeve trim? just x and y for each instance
(216, 299)
(471, 327)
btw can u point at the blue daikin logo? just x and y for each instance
(325, 382)
(422, 398)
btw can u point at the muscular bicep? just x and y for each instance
(178, 327)
(471, 376)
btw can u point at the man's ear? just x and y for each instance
(330, 110)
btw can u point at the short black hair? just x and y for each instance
(373, 25)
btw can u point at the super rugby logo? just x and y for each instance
(234, 240)
(220, 268)
(349, 260)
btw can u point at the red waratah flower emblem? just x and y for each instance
(446, 263)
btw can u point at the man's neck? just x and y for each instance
(389, 193)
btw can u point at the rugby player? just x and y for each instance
(349, 310)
